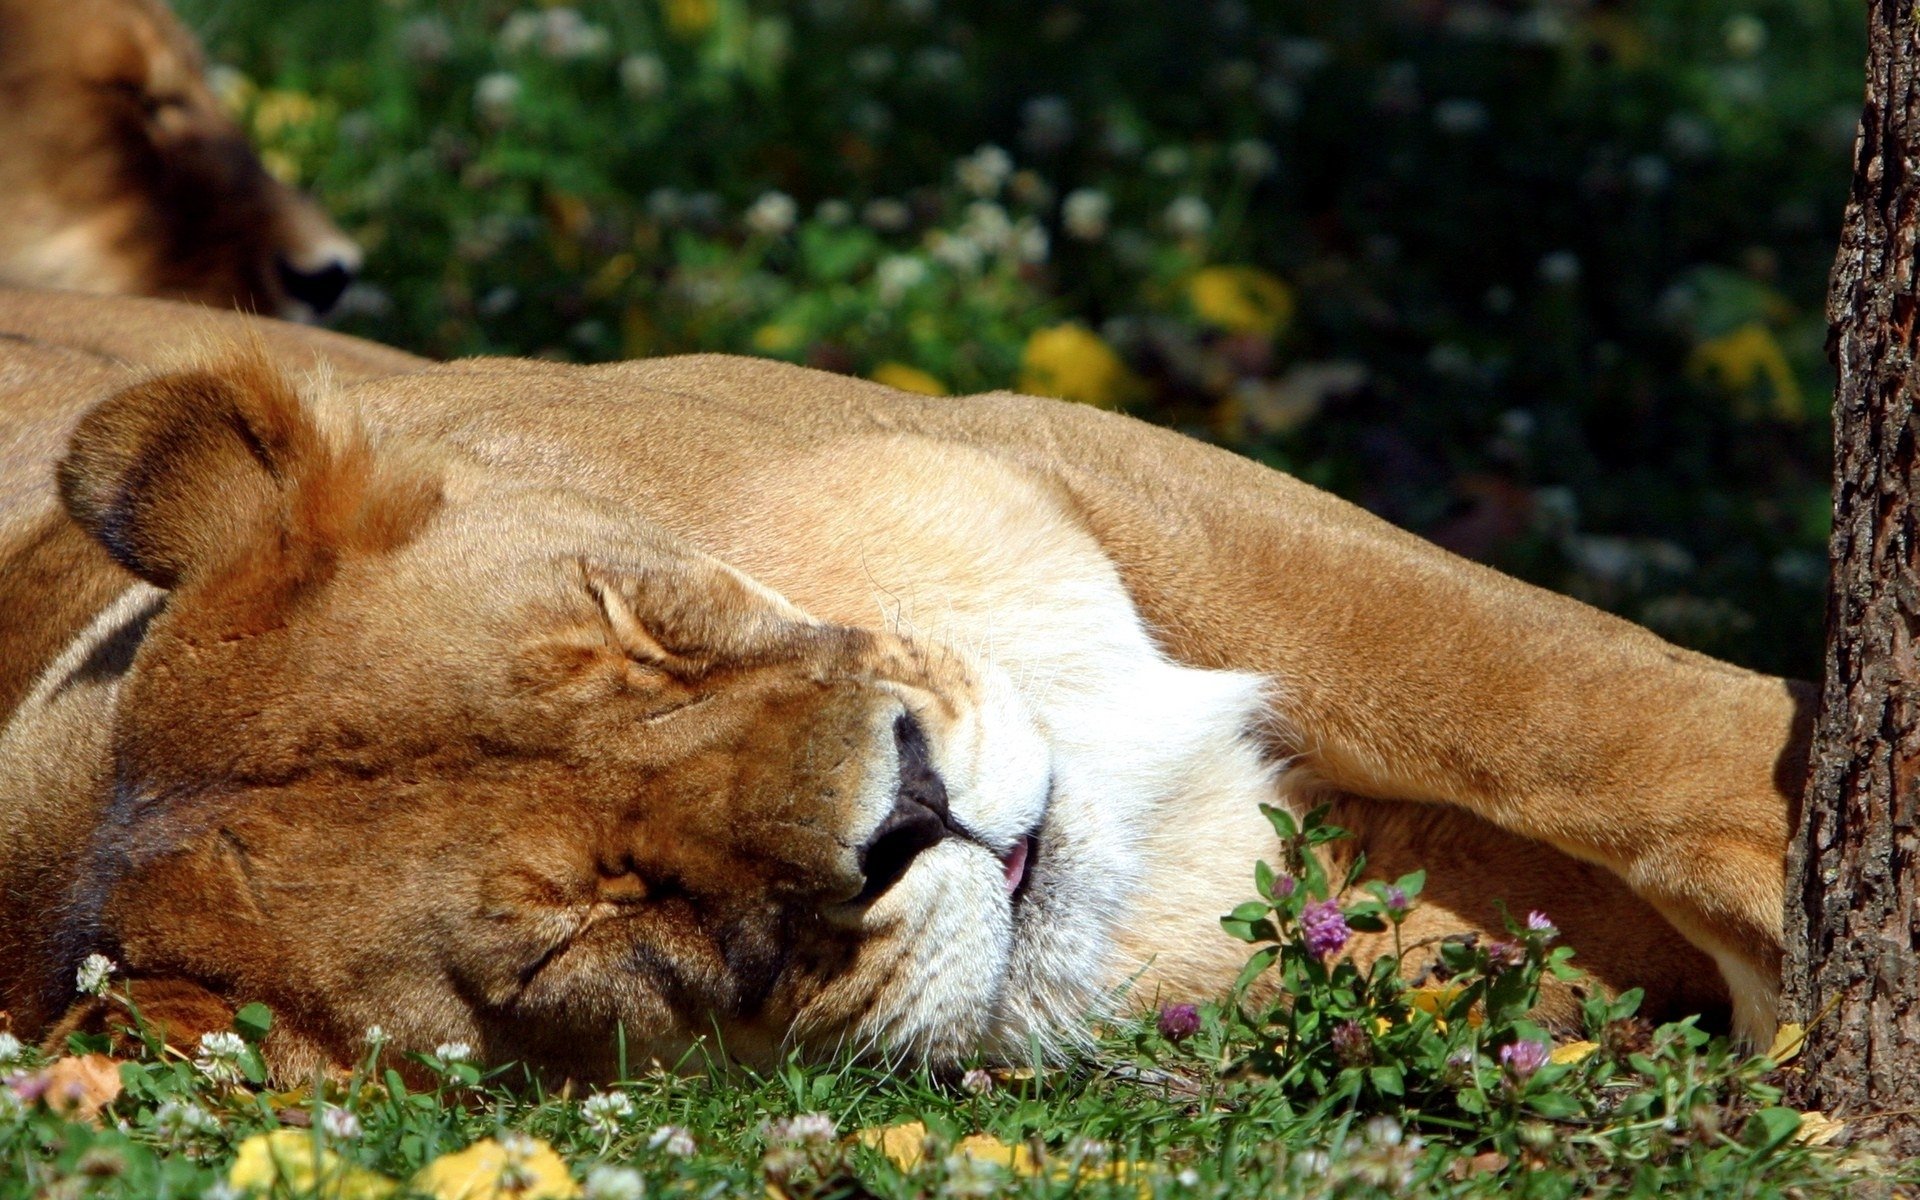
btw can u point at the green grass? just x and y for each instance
(1352, 1083)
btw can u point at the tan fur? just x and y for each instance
(121, 173)
(507, 702)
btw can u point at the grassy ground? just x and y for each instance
(1353, 1083)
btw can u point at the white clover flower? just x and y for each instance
(180, 1121)
(614, 1183)
(1253, 158)
(644, 76)
(1189, 216)
(425, 40)
(887, 215)
(561, 34)
(1089, 1152)
(219, 1057)
(496, 95)
(1169, 161)
(340, 1124)
(772, 215)
(1085, 213)
(937, 65)
(604, 1111)
(1746, 35)
(872, 63)
(1560, 268)
(95, 972)
(1187, 1177)
(220, 1189)
(984, 171)
(988, 226)
(1383, 1131)
(1030, 241)
(375, 1036)
(898, 274)
(1460, 116)
(976, 1082)
(833, 212)
(12, 1051)
(1303, 56)
(453, 1052)
(805, 1129)
(968, 1176)
(672, 1139)
(1046, 124)
(958, 251)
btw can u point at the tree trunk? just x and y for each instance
(1853, 910)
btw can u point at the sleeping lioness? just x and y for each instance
(120, 172)
(511, 703)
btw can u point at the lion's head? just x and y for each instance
(406, 744)
(119, 171)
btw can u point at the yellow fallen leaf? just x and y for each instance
(1572, 1052)
(1787, 1043)
(905, 1144)
(515, 1167)
(985, 1148)
(285, 1162)
(1817, 1129)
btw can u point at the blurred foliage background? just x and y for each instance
(1540, 279)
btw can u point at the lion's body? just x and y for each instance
(1190, 632)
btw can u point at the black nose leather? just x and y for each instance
(318, 289)
(920, 816)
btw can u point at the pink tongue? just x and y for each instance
(1016, 864)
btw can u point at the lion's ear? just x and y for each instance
(174, 473)
(179, 1010)
(186, 471)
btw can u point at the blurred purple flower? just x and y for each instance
(1351, 1045)
(1179, 1022)
(1326, 928)
(1396, 900)
(1283, 886)
(1522, 1059)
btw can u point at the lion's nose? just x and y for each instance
(318, 285)
(920, 816)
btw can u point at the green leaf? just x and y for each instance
(1388, 1081)
(1252, 910)
(1770, 1128)
(1282, 822)
(1556, 1105)
(1263, 877)
(1411, 883)
(252, 1022)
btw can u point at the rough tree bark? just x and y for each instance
(1853, 907)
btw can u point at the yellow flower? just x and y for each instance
(775, 338)
(281, 166)
(278, 111)
(516, 1167)
(906, 1146)
(285, 1162)
(1436, 998)
(612, 273)
(1071, 362)
(1241, 300)
(689, 18)
(1745, 357)
(908, 379)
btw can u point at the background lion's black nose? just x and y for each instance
(920, 817)
(318, 286)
